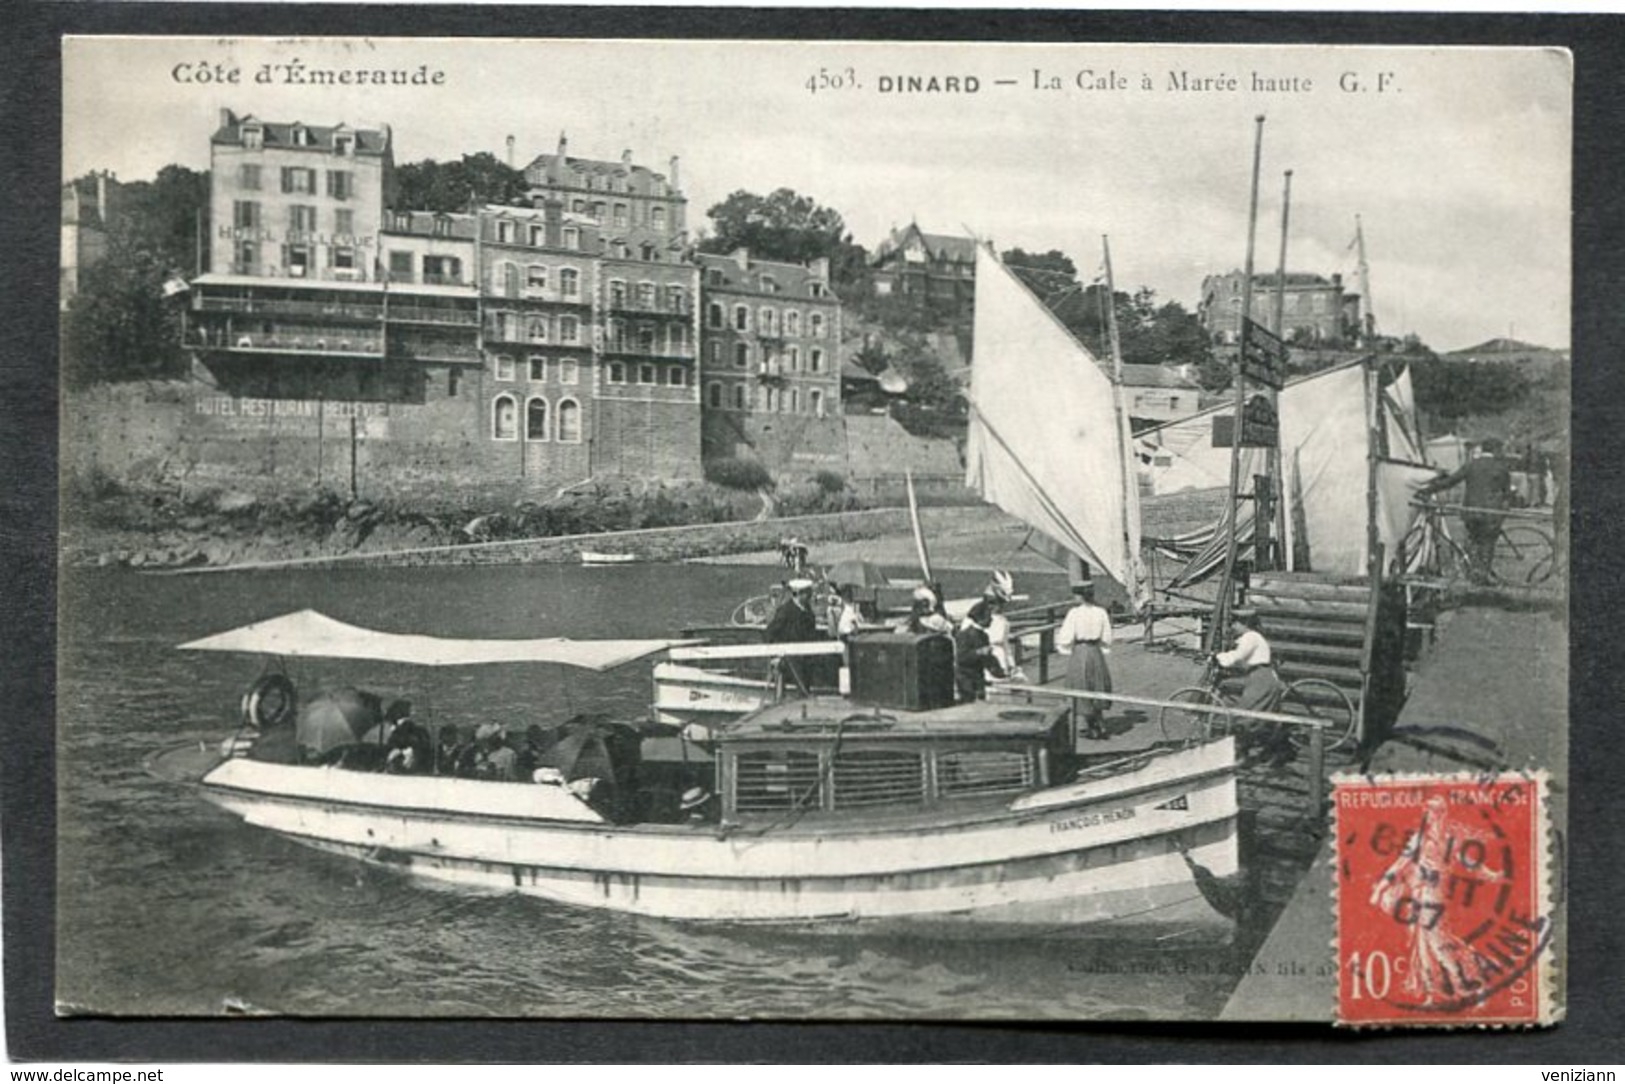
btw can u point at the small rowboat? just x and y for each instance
(593, 557)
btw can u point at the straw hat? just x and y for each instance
(693, 798)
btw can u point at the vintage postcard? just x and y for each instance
(813, 530)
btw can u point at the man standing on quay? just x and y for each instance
(1487, 487)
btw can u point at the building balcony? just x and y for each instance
(667, 352)
(258, 343)
(650, 308)
(405, 349)
(270, 306)
(428, 314)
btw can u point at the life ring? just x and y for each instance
(269, 702)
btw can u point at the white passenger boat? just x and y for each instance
(824, 813)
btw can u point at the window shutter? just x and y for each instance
(287, 178)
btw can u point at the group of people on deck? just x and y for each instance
(982, 642)
(488, 752)
(981, 638)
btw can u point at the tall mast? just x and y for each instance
(1369, 328)
(1123, 449)
(1275, 481)
(1222, 605)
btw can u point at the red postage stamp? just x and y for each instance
(1442, 901)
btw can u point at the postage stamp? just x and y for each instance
(1441, 893)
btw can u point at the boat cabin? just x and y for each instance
(827, 754)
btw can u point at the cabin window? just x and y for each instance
(878, 777)
(776, 779)
(968, 773)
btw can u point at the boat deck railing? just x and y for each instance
(1315, 726)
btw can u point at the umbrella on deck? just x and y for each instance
(856, 573)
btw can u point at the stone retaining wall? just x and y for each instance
(650, 544)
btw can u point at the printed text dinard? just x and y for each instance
(1100, 81)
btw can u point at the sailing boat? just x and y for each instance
(1049, 440)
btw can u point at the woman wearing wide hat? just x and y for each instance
(1084, 638)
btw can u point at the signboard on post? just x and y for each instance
(1263, 357)
(1260, 427)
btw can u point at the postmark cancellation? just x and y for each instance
(1441, 891)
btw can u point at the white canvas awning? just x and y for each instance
(308, 634)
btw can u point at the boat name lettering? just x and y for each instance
(1090, 820)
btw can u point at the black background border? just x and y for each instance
(30, 158)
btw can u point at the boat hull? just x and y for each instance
(1109, 857)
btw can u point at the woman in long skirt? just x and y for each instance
(1084, 638)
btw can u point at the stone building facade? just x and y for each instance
(90, 205)
(1317, 311)
(534, 346)
(771, 334)
(929, 269)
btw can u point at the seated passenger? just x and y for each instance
(926, 615)
(530, 751)
(494, 760)
(410, 752)
(448, 741)
(696, 806)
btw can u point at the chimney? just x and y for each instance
(741, 256)
(227, 118)
(1337, 279)
(101, 196)
(676, 184)
(510, 152)
(820, 268)
(555, 169)
(626, 158)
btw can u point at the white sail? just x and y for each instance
(1325, 445)
(1045, 441)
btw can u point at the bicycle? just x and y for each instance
(1183, 722)
(1524, 553)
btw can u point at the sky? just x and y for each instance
(1456, 160)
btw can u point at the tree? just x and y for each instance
(119, 325)
(787, 226)
(1051, 276)
(1450, 389)
(450, 187)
